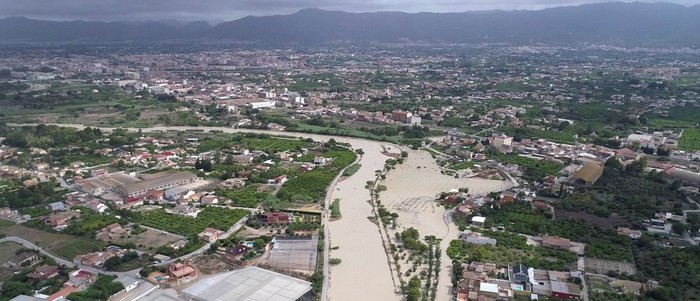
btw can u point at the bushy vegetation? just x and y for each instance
(191, 246)
(335, 209)
(352, 169)
(43, 136)
(463, 165)
(334, 261)
(214, 217)
(412, 289)
(89, 222)
(128, 261)
(519, 217)
(101, 290)
(411, 240)
(41, 194)
(534, 169)
(677, 270)
(634, 195)
(536, 257)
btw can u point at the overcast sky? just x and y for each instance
(225, 10)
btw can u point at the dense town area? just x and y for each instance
(451, 172)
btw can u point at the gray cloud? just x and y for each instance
(187, 10)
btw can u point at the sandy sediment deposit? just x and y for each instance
(411, 191)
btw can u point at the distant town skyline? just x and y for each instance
(224, 10)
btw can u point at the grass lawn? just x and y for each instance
(7, 250)
(598, 283)
(463, 165)
(690, 140)
(62, 245)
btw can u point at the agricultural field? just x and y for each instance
(307, 187)
(62, 245)
(690, 141)
(253, 142)
(599, 284)
(245, 197)
(311, 186)
(7, 252)
(81, 104)
(148, 240)
(214, 217)
(535, 169)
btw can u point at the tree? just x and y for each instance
(204, 165)
(413, 289)
(635, 145)
(637, 166)
(614, 163)
(563, 125)
(679, 228)
(647, 150)
(331, 143)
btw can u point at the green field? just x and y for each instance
(311, 186)
(263, 143)
(62, 245)
(463, 165)
(7, 250)
(213, 217)
(352, 169)
(690, 140)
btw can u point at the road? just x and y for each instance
(206, 247)
(62, 261)
(134, 272)
(32, 246)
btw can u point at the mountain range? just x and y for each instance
(602, 22)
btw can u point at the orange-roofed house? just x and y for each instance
(181, 273)
(210, 234)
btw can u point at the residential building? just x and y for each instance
(478, 221)
(112, 232)
(22, 260)
(520, 274)
(476, 238)
(555, 242)
(181, 273)
(625, 231)
(43, 272)
(95, 259)
(627, 286)
(401, 116)
(564, 290)
(57, 206)
(210, 234)
(277, 218)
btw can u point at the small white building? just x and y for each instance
(478, 221)
(262, 104)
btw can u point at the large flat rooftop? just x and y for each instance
(248, 284)
(294, 253)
